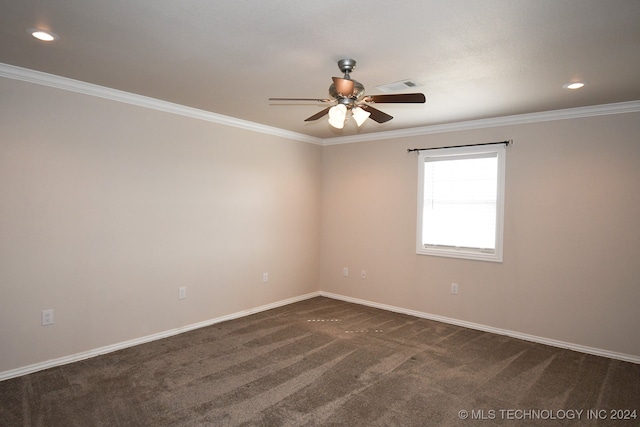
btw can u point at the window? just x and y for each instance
(460, 202)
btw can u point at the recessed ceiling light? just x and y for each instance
(574, 85)
(45, 36)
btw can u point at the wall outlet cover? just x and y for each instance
(47, 317)
(454, 288)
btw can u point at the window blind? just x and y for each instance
(460, 201)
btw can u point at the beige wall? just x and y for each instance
(107, 208)
(571, 269)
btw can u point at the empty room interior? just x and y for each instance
(226, 213)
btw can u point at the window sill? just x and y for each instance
(461, 253)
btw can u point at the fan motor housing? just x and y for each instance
(358, 91)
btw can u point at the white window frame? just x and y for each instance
(455, 252)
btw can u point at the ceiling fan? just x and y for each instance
(348, 95)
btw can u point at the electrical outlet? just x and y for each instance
(454, 288)
(345, 272)
(363, 274)
(182, 292)
(47, 317)
(265, 277)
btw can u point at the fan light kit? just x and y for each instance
(348, 95)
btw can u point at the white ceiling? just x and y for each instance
(474, 59)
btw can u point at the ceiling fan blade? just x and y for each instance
(301, 99)
(318, 115)
(408, 98)
(376, 115)
(343, 86)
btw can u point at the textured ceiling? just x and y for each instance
(473, 59)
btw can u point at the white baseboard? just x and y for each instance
(13, 373)
(477, 326)
(25, 370)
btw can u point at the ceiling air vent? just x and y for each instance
(402, 84)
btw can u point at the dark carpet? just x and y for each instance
(323, 362)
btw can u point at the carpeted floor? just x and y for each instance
(323, 362)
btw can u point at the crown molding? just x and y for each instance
(545, 116)
(64, 83)
(45, 79)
